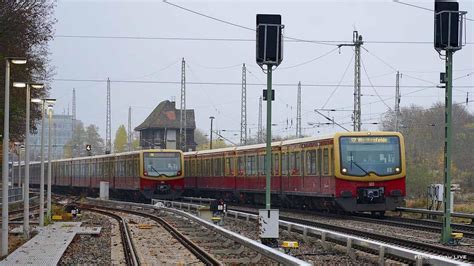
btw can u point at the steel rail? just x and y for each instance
(434, 249)
(129, 250)
(383, 249)
(437, 213)
(201, 254)
(249, 243)
(423, 225)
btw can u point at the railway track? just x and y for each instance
(202, 255)
(418, 224)
(402, 222)
(425, 247)
(129, 251)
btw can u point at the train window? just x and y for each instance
(295, 163)
(284, 163)
(319, 160)
(198, 167)
(331, 161)
(124, 168)
(202, 167)
(311, 162)
(192, 169)
(276, 164)
(229, 171)
(205, 167)
(241, 165)
(251, 168)
(208, 167)
(99, 168)
(117, 168)
(137, 166)
(186, 166)
(217, 167)
(261, 165)
(325, 161)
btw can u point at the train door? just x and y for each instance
(276, 173)
(284, 170)
(240, 176)
(319, 170)
(311, 180)
(261, 175)
(229, 172)
(251, 171)
(294, 170)
(325, 179)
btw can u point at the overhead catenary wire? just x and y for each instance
(339, 83)
(236, 83)
(216, 39)
(420, 7)
(311, 60)
(372, 85)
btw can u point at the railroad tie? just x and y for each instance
(229, 250)
(253, 260)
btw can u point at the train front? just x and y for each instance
(162, 174)
(370, 171)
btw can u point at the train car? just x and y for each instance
(146, 173)
(350, 171)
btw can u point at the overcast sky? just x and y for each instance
(221, 61)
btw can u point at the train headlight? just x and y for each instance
(397, 170)
(344, 170)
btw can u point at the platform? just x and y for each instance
(48, 246)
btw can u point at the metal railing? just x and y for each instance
(382, 249)
(437, 213)
(14, 195)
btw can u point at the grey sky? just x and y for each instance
(220, 61)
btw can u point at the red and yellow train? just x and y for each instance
(352, 171)
(147, 173)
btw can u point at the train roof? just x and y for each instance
(292, 141)
(109, 155)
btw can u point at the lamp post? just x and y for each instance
(6, 142)
(43, 105)
(21, 147)
(210, 143)
(17, 150)
(50, 114)
(26, 187)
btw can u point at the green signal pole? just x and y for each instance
(446, 233)
(268, 156)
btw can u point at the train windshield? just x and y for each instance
(162, 164)
(372, 154)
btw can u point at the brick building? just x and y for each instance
(161, 128)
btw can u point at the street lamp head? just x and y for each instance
(17, 60)
(37, 85)
(19, 84)
(50, 101)
(211, 117)
(36, 100)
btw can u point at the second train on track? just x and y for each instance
(351, 171)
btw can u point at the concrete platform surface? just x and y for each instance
(47, 247)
